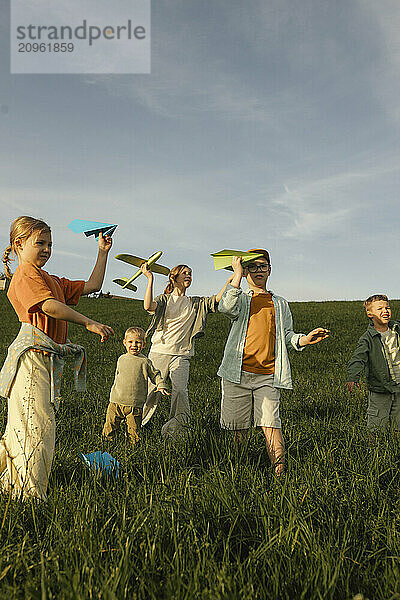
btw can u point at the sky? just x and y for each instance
(263, 124)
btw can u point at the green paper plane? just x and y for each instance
(223, 258)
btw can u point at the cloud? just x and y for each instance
(74, 255)
(384, 71)
(184, 92)
(278, 64)
(10, 202)
(325, 206)
(191, 77)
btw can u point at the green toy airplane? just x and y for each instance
(223, 258)
(126, 282)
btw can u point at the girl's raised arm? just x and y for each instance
(148, 302)
(95, 281)
(221, 291)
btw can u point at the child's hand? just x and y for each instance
(315, 336)
(164, 392)
(103, 330)
(350, 385)
(237, 267)
(238, 272)
(146, 271)
(105, 242)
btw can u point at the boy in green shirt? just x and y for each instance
(378, 352)
(129, 390)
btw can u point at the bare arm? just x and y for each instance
(148, 302)
(95, 281)
(221, 291)
(58, 310)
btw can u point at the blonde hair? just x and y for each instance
(138, 330)
(21, 229)
(173, 274)
(374, 298)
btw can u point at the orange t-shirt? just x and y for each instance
(30, 286)
(259, 347)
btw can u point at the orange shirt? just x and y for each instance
(30, 286)
(259, 347)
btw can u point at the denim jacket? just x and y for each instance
(236, 305)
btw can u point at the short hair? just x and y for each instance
(265, 253)
(373, 298)
(138, 330)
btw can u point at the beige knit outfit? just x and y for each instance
(129, 393)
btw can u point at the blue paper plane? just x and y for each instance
(92, 228)
(101, 462)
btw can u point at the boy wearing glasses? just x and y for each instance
(255, 364)
(378, 352)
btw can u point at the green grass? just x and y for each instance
(205, 519)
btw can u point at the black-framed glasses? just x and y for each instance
(254, 267)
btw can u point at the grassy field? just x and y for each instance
(204, 519)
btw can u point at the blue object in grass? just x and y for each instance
(92, 228)
(101, 462)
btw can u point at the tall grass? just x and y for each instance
(203, 518)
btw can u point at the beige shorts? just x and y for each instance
(255, 394)
(382, 409)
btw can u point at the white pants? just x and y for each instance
(177, 369)
(27, 447)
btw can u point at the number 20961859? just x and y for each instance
(46, 47)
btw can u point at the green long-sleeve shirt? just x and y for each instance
(370, 355)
